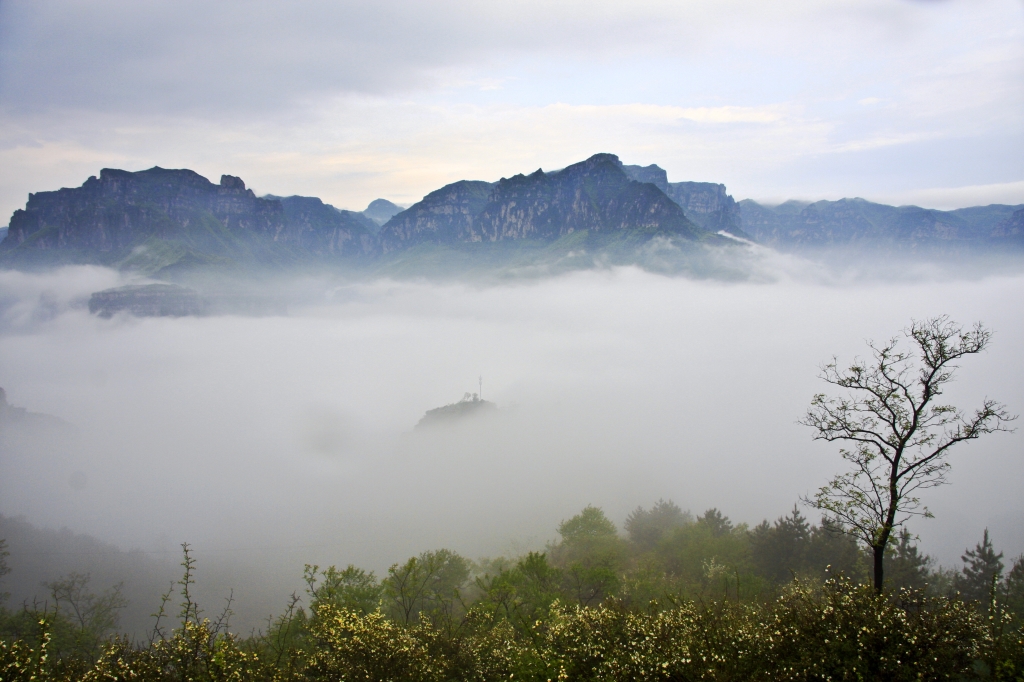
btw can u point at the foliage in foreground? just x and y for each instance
(679, 598)
(837, 631)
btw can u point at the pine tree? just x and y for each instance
(647, 528)
(1013, 588)
(905, 566)
(982, 566)
(779, 551)
(718, 524)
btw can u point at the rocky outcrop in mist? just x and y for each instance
(147, 300)
(14, 418)
(471, 405)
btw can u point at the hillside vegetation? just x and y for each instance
(674, 598)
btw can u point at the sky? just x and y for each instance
(899, 101)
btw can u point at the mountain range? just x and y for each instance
(803, 226)
(162, 221)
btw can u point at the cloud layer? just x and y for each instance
(287, 439)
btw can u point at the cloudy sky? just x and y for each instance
(893, 100)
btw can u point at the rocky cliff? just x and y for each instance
(158, 218)
(119, 212)
(705, 203)
(444, 216)
(596, 196)
(322, 230)
(866, 225)
(1011, 228)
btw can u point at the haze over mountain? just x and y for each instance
(381, 210)
(856, 223)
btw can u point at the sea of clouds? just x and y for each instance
(268, 442)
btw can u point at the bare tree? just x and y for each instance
(899, 435)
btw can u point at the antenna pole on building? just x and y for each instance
(481, 387)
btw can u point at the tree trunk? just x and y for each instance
(879, 556)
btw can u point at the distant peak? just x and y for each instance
(594, 162)
(653, 174)
(605, 156)
(381, 210)
(383, 205)
(232, 182)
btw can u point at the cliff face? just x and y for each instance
(653, 174)
(863, 224)
(159, 218)
(709, 205)
(444, 216)
(1012, 228)
(705, 203)
(595, 195)
(147, 300)
(120, 210)
(321, 230)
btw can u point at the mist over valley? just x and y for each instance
(271, 441)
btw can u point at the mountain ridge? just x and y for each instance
(598, 211)
(161, 221)
(595, 195)
(855, 222)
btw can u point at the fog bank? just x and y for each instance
(268, 442)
